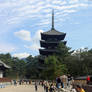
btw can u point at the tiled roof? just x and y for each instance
(2, 63)
(53, 32)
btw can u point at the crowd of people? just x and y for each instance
(59, 85)
(47, 85)
(21, 82)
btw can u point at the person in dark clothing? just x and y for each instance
(20, 82)
(42, 83)
(36, 86)
(47, 86)
(44, 87)
(58, 82)
(15, 82)
(62, 84)
(51, 88)
(69, 79)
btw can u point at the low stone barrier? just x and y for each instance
(4, 82)
(88, 88)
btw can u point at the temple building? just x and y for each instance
(50, 40)
(3, 67)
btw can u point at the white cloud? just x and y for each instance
(31, 11)
(72, 6)
(6, 48)
(24, 9)
(24, 35)
(14, 20)
(37, 36)
(21, 55)
(69, 11)
(45, 22)
(33, 47)
(47, 10)
(35, 41)
(83, 5)
(73, 1)
(59, 2)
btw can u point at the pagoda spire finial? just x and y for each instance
(53, 19)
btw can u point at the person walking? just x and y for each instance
(36, 88)
(47, 86)
(58, 82)
(44, 85)
(51, 87)
(69, 79)
(88, 79)
(15, 82)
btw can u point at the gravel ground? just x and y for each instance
(21, 88)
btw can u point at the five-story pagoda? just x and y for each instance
(50, 40)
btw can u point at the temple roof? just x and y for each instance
(53, 32)
(3, 64)
(53, 35)
(48, 51)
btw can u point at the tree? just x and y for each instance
(32, 67)
(53, 68)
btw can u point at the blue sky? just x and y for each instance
(21, 22)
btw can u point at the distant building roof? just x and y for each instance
(3, 64)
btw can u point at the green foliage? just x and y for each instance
(17, 69)
(79, 64)
(63, 50)
(32, 67)
(63, 62)
(54, 68)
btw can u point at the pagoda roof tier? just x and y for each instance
(47, 52)
(51, 44)
(53, 31)
(53, 35)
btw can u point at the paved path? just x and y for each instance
(21, 88)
